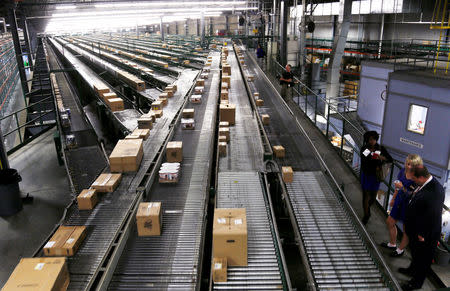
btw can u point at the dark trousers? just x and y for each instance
(422, 255)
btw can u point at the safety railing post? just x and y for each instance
(315, 111)
(18, 127)
(328, 121)
(342, 136)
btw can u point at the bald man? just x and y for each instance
(286, 82)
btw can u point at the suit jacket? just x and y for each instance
(424, 212)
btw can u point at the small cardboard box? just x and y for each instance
(222, 148)
(227, 79)
(198, 89)
(279, 151)
(226, 69)
(224, 124)
(225, 131)
(204, 75)
(188, 113)
(65, 241)
(250, 78)
(116, 104)
(127, 155)
(107, 182)
(196, 99)
(139, 134)
(224, 94)
(228, 113)
(156, 105)
(287, 174)
(145, 121)
(163, 95)
(172, 88)
(163, 101)
(188, 123)
(256, 95)
(224, 85)
(219, 270)
(169, 93)
(87, 199)
(222, 138)
(174, 152)
(109, 95)
(157, 113)
(101, 88)
(265, 119)
(200, 83)
(259, 102)
(149, 219)
(224, 102)
(39, 274)
(230, 235)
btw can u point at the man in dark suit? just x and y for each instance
(423, 223)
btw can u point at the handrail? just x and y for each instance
(25, 108)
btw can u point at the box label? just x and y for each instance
(217, 266)
(39, 266)
(237, 221)
(70, 240)
(49, 244)
(221, 220)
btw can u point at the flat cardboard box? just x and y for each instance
(224, 85)
(259, 102)
(126, 155)
(33, 274)
(226, 69)
(287, 174)
(230, 235)
(107, 182)
(225, 131)
(149, 219)
(156, 105)
(169, 93)
(157, 113)
(279, 151)
(163, 101)
(139, 134)
(188, 113)
(224, 94)
(87, 199)
(256, 95)
(65, 241)
(116, 104)
(200, 82)
(109, 95)
(164, 95)
(219, 270)
(222, 138)
(224, 124)
(145, 121)
(172, 88)
(227, 79)
(228, 113)
(222, 149)
(265, 119)
(101, 88)
(225, 102)
(174, 152)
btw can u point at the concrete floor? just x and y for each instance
(47, 182)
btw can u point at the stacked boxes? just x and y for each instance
(127, 155)
(174, 152)
(65, 241)
(87, 199)
(107, 182)
(149, 219)
(139, 134)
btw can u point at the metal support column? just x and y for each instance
(283, 33)
(340, 38)
(198, 27)
(4, 164)
(211, 26)
(26, 36)
(161, 29)
(186, 28)
(176, 28)
(227, 25)
(202, 28)
(18, 49)
(302, 44)
(381, 36)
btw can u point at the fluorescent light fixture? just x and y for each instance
(65, 7)
(177, 4)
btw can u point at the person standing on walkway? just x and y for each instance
(403, 189)
(286, 82)
(372, 156)
(260, 54)
(423, 222)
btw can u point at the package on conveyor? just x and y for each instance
(288, 174)
(219, 270)
(196, 98)
(116, 104)
(206, 69)
(188, 113)
(149, 219)
(187, 123)
(169, 173)
(101, 88)
(186, 62)
(230, 235)
(227, 79)
(107, 182)
(157, 113)
(204, 75)
(174, 152)
(256, 95)
(224, 94)
(145, 121)
(225, 131)
(126, 155)
(279, 151)
(223, 85)
(163, 101)
(222, 148)
(139, 134)
(259, 102)
(171, 87)
(156, 105)
(250, 78)
(109, 95)
(65, 241)
(87, 199)
(226, 69)
(169, 93)
(200, 83)
(163, 95)
(265, 119)
(222, 138)
(227, 113)
(199, 89)
(39, 274)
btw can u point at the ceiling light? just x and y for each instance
(64, 7)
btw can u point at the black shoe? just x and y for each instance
(405, 271)
(365, 220)
(385, 245)
(395, 254)
(410, 286)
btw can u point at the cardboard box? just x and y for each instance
(222, 138)
(279, 151)
(219, 270)
(87, 199)
(259, 102)
(225, 131)
(156, 105)
(149, 219)
(107, 182)
(200, 83)
(224, 94)
(228, 113)
(196, 99)
(172, 88)
(225, 102)
(174, 152)
(265, 119)
(250, 78)
(116, 104)
(139, 134)
(39, 274)
(145, 121)
(230, 235)
(227, 79)
(163, 101)
(65, 241)
(169, 93)
(198, 89)
(101, 88)
(188, 113)
(127, 155)
(226, 69)
(222, 148)
(224, 85)
(163, 95)
(157, 113)
(287, 174)
(256, 95)
(224, 124)
(109, 95)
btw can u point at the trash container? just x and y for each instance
(10, 200)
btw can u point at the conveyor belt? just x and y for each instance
(172, 261)
(243, 190)
(337, 256)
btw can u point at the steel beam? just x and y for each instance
(18, 49)
(26, 36)
(283, 32)
(4, 164)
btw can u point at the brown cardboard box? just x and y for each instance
(287, 174)
(186, 62)
(224, 85)
(163, 101)
(200, 82)
(107, 182)
(224, 124)
(157, 113)
(265, 119)
(188, 113)
(169, 93)
(109, 95)
(225, 131)
(156, 105)
(279, 151)
(250, 78)
(33, 274)
(228, 113)
(139, 134)
(174, 152)
(116, 104)
(219, 270)
(222, 148)
(101, 88)
(172, 88)
(164, 95)
(87, 199)
(259, 102)
(230, 235)
(256, 95)
(226, 69)
(145, 121)
(149, 219)
(222, 138)
(65, 241)
(225, 102)
(127, 155)
(224, 94)
(227, 79)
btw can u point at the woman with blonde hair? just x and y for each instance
(403, 188)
